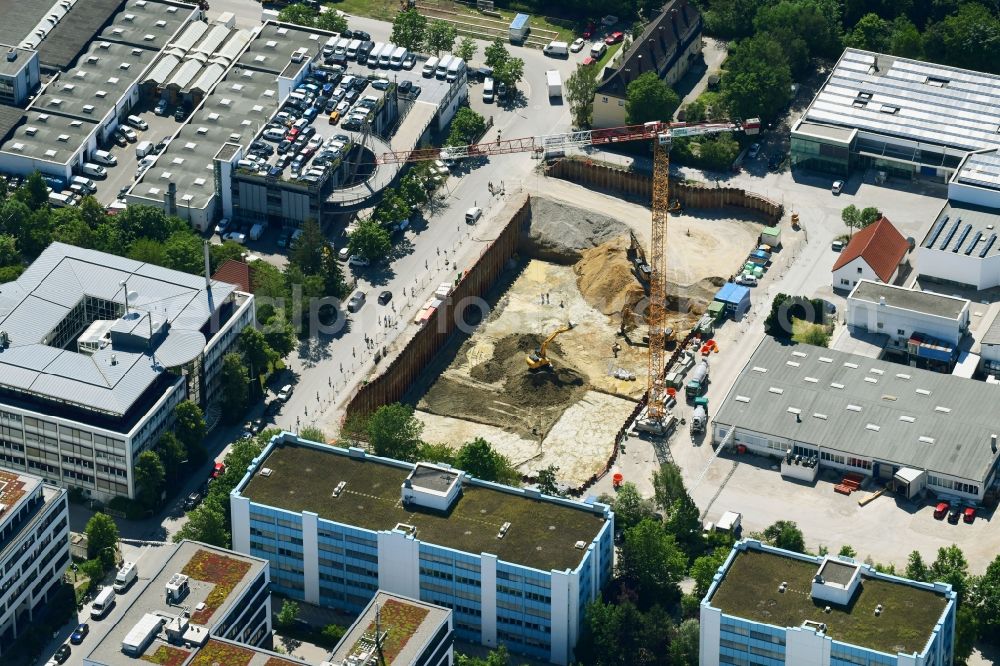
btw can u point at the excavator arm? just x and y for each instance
(539, 358)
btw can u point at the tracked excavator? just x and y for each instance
(538, 359)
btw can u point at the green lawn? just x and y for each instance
(811, 334)
(383, 10)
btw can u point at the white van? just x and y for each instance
(128, 573)
(59, 200)
(352, 49)
(597, 50)
(488, 90)
(341, 47)
(429, 67)
(104, 602)
(456, 69)
(396, 59)
(84, 182)
(143, 148)
(374, 54)
(95, 170)
(556, 50)
(137, 122)
(443, 65)
(104, 157)
(386, 55)
(473, 214)
(331, 44)
(272, 134)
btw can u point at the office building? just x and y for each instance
(874, 253)
(19, 75)
(916, 430)
(667, 46)
(772, 606)
(515, 567)
(191, 601)
(34, 550)
(96, 350)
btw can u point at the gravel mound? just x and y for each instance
(560, 233)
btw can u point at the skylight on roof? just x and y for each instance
(69, 86)
(50, 153)
(43, 117)
(836, 385)
(31, 131)
(742, 398)
(907, 419)
(794, 364)
(178, 160)
(776, 390)
(213, 116)
(88, 108)
(848, 364)
(817, 415)
(824, 359)
(113, 80)
(199, 181)
(854, 408)
(270, 44)
(873, 427)
(923, 392)
(190, 145)
(166, 175)
(259, 58)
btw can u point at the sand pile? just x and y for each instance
(605, 278)
(560, 233)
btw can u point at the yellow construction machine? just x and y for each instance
(538, 359)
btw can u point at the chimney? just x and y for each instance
(993, 443)
(208, 269)
(881, 300)
(170, 198)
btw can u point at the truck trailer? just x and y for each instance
(519, 28)
(554, 82)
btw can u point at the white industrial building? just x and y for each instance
(874, 253)
(34, 548)
(912, 428)
(96, 350)
(908, 317)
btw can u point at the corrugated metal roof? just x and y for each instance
(192, 33)
(163, 69)
(185, 74)
(947, 425)
(208, 78)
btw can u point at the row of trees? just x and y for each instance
(311, 17)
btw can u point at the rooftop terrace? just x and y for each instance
(542, 535)
(749, 590)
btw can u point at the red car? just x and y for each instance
(588, 61)
(218, 470)
(941, 510)
(614, 37)
(969, 515)
(292, 133)
(589, 32)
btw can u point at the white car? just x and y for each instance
(236, 237)
(577, 45)
(355, 260)
(285, 393)
(747, 280)
(344, 254)
(838, 186)
(222, 226)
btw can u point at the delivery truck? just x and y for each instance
(554, 82)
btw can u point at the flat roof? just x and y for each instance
(867, 408)
(14, 487)
(272, 50)
(411, 625)
(840, 573)
(20, 18)
(749, 590)
(12, 67)
(116, 376)
(10, 117)
(542, 535)
(47, 136)
(433, 478)
(910, 99)
(65, 41)
(964, 229)
(208, 568)
(926, 302)
(149, 24)
(980, 169)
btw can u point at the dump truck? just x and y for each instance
(699, 380)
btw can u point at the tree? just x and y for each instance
(510, 72)
(207, 523)
(704, 568)
(313, 434)
(804, 28)
(8, 250)
(333, 283)
(148, 251)
(298, 14)
(851, 217)
(413, 189)
(440, 36)
(438, 453)
(149, 477)
(233, 386)
(622, 635)
(288, 614)
(695, 111)
(280, 335)
(306, 251)
(331, 20)
(986, 595)
(102, 539)
(409, 29)
(496, 54)
(684, 646)
(785, 534)
(480, 460)
(651, 564)
(951, 567)
(71, 229)
(869, 215)
(220, 254)
(394, 432)
(189, 426)
(370, 241)
(35, 191)
(466, 127)
(172, 452)
(184, 252)
(548, 482)
(906, 40)
(648, 98)
(629, 506)
(466, 49)
(732, 19)
(966, 632)
(915, 567)
(256, 353)
(871, 33)
(684, 524)
(757, 81)
(970, 39)
(580, 89)
(847, 551)
(668, 486)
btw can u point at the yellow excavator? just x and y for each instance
(538, 359)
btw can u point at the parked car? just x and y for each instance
(356, 260)
(577, 45)
(137, 122)
(941, 510)
(161, 108)
(357, 301)
(104, 157)
(285, 393)
(838, 186)
(129, 133)
(837, 245)
(609, 20)
(954, 514)
(62, 654)
(223, 226)
(969, 514)
(381, 84)
(405, 87)
(747, 280)
(236, 237)
(754, 150)
(218, 470)
(119, 139)
(344, 254)
(614, 37)
(384, 297)
(79, 633)
(192, 501)
(409, 61)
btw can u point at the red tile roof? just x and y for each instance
(880, 245)
(235, 272)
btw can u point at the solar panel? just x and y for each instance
(972, 245)
(951, 233)
(935, 231)
(961, 238)
(989, 243)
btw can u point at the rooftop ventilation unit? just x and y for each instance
(11, 55)
(339, 488)
(503, 530)
(580, 545)
(267, 471)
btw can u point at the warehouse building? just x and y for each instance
(515, 567)
(904, 118)
(767, 605)
(919, 327)
(34, 549)
(667, 46)
(96, 350)
(916, 430)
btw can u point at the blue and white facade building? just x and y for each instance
(444, 542)
(751, 598)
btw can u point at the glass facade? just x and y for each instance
(817, 155)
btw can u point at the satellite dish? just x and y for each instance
(132, 296)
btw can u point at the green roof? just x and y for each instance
(749, 590)
(543, 534)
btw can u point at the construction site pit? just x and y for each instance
(568, 415)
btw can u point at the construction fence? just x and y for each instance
(631, 183)
(402, 372)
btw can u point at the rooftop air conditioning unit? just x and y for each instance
(580, 545)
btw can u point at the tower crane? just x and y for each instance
(661, 134)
